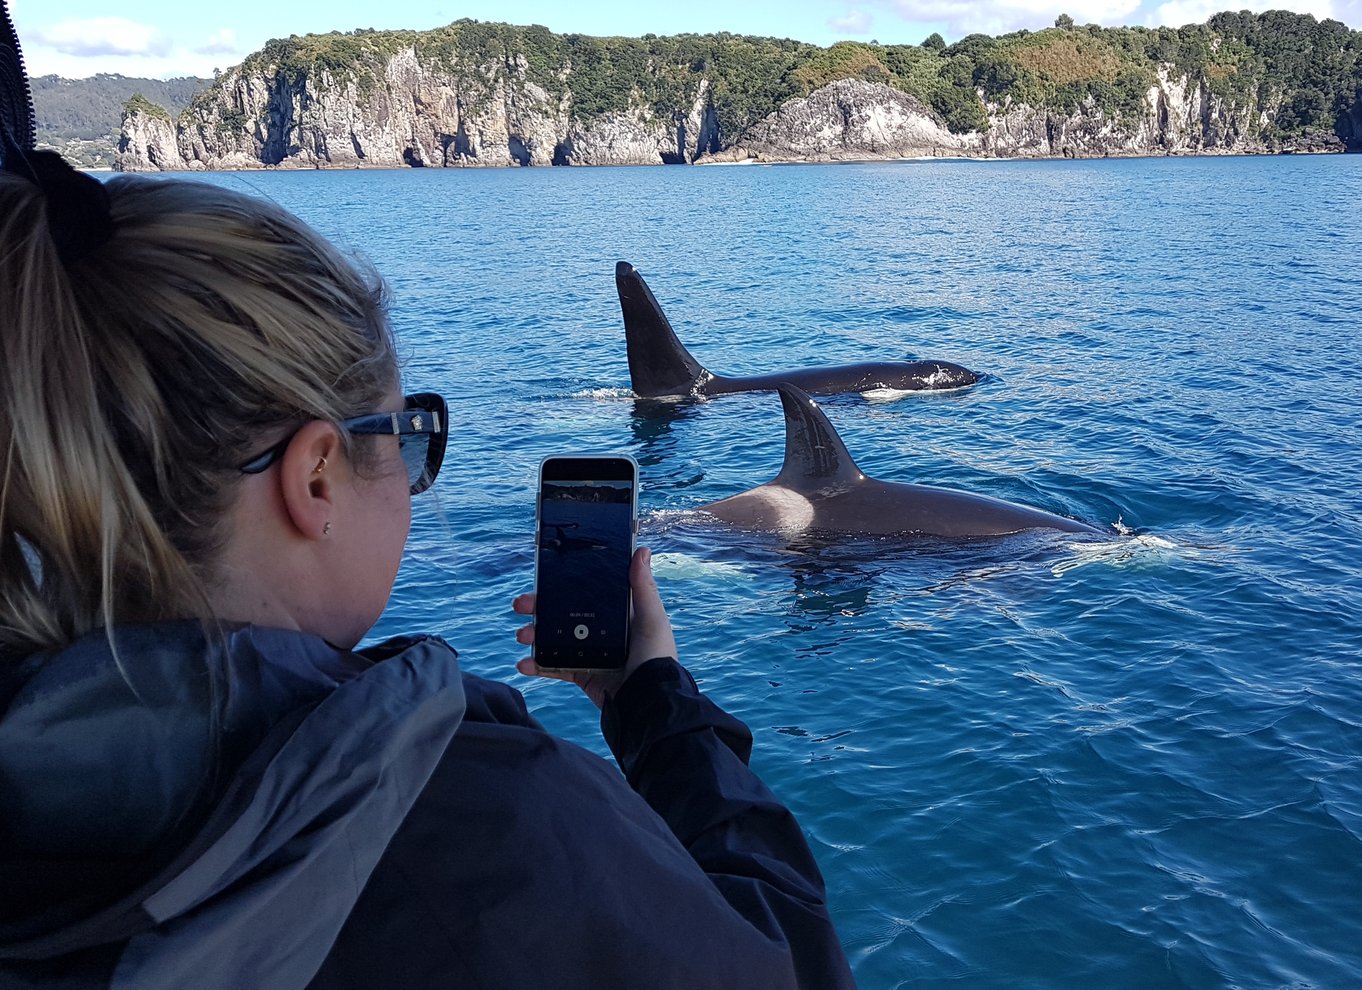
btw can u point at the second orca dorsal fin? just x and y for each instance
(814, 453)
(659, 363)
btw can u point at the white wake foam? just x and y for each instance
(603, 393)
(1144, 550)
(684, 567)
(895, 394)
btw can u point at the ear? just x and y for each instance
(308, 476)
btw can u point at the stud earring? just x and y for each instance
(326, 528)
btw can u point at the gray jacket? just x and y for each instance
(260, 810)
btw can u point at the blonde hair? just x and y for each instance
(135, 380)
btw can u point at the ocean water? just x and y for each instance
(1134, 762)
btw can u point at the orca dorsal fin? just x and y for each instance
(813, 450)
(659, 363)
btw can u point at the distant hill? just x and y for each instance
(81, 117)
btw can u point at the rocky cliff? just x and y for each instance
(855, 120)
(148, 142)
(420, 120)
(1180, 115)
(848, 120)
(394, 99)
(411, 113)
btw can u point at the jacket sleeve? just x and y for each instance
(688, 759)
(528, 861)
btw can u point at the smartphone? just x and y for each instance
(587, 512)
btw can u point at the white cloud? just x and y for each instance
(962, 18)
(102, 36)
(957, 18)
(1349, 12)
(79, 48)
(220, 43)
(1176, 13)
(178, 61)
(1180, 12)
(853, 22)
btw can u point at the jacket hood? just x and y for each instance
(204, 797)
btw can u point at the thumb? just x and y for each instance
(651, 635)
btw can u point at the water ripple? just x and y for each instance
(1134, 762)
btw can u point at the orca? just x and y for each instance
(660, 366)
(561, 541)
(821, 490)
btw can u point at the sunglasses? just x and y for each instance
(421, 428)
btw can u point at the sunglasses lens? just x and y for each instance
(415, 449)
(424, 452)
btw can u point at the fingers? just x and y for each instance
(651, 633)
(529, 668)
(524, 605)
(595, 686)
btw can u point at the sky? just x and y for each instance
(165, 38)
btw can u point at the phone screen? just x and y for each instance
(587, 507)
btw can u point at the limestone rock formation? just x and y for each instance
(1180, 116)
(148, 143)
(404, 108)
(853, 119)
(413, 114)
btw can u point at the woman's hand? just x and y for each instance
(650, 634)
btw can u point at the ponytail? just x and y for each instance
(135, 377)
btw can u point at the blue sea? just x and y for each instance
(1130, 762)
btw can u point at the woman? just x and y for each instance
(207, 465)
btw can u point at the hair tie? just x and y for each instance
(77, 204)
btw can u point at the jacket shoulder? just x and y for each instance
(491, 701)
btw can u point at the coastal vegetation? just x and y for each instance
(137, 103)
(1311, 68)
